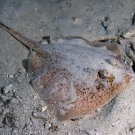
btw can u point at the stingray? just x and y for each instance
(73, 75)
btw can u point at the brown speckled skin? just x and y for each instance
(73, 77)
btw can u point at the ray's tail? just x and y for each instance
(28, 42)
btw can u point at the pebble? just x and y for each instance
(44, 109)
(133, 130)
(35, 9)
(11, 76)
(48, 125)
(78, 21)
(64, 124)
(44, 42)
(6, 89)
(69, 133)
(129, 33)
(35, 96)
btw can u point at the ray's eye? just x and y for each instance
(103, 74)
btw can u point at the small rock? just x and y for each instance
(78, 21)
(132, 130)
(64, 124)
(44, 109)
(6, 89)
(35, 96)
(44, 42)
(129, 33)
(11, 76)
(35, 9)
(69, 133)
(48, 125)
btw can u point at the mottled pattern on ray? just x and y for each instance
(73, 77)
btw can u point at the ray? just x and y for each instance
(72, 76)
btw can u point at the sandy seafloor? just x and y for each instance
(91, 19)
